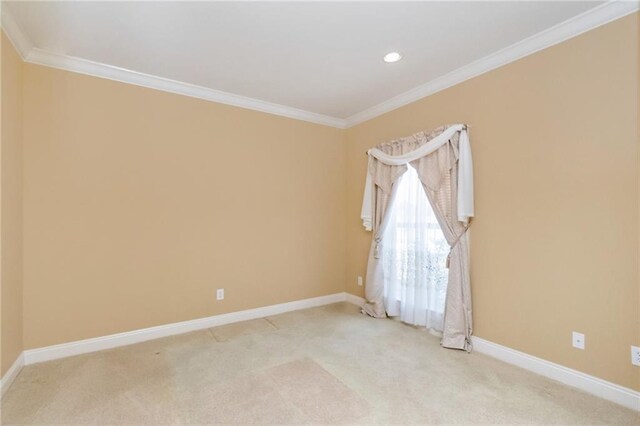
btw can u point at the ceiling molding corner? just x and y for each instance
(563, 31)
(14, 33)
(32, 54)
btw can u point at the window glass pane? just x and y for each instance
(414, 253)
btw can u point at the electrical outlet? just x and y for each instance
(578, 340)
(360, 280)
(635, 355)
(220, 294)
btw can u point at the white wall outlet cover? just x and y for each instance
(635, 355)
(360, 280)
(578, 340)
(220, 294)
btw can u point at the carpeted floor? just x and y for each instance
(325, 366)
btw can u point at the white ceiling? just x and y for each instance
(321, 57)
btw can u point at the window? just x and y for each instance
(413, 257)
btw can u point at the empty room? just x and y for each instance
(320, 212)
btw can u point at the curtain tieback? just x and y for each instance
(455, 243)
(376, 251)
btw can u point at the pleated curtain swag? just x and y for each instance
(442, 159)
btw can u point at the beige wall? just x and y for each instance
(555, 243)
(11, 206)
(138, 204)
(133, 214)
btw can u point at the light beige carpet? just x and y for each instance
(328, 365)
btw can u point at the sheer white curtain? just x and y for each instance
(414, 258)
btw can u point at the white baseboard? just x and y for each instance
(590, 384)
(353, 299)
(11, 374)
(601, 388)
(598, 387)
(64, 350)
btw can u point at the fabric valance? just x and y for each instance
(465, 171)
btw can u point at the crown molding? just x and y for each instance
(14, 33)
(110, 72)
(570, 28)
(37, 56)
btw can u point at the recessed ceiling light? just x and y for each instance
(392, 57)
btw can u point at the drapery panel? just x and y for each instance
(383, 179)
(442, 159)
